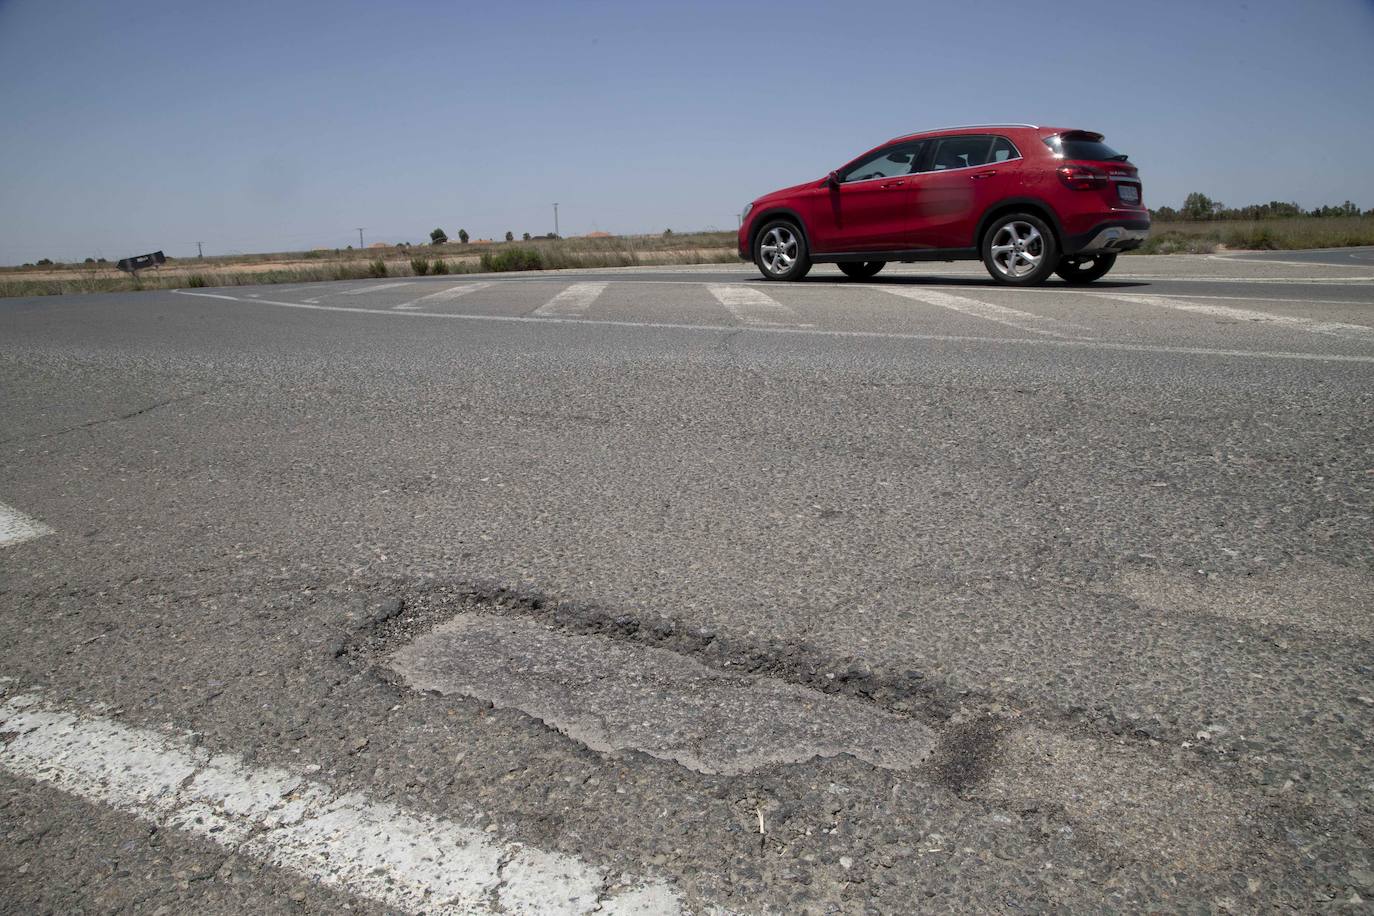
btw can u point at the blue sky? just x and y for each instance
(254, 126)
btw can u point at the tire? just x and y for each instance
(861, 270)
(1085, 269)
(780, 251)
(1020, 250)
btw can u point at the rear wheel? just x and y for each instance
(1085, 268)
(780, 251)
(861, 270)
(1020, 250)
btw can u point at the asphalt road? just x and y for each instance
(674, 590)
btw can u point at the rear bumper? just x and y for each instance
(1109, 237)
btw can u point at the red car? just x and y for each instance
(1028, 201)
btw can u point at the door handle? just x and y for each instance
(893, 184)
(988, 174)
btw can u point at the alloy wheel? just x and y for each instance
(1017, 248)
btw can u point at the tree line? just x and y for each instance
(1198, 206)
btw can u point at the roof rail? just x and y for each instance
(935, 130)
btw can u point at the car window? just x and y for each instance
(894, 160)
(961, 153)
(1072, 146)
(1002, 150)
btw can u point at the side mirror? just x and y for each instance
(833, 179)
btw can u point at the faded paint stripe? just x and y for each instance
(1012, 318)
(753, 307)
(443, 295)
(573, 301)
(409, 861)
(1311, 325)
(15, 526)
(376, 287)
(807, 331)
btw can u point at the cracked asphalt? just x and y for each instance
(1113, 553)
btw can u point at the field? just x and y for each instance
(620, 251)
(1191, 237)
(353, 264)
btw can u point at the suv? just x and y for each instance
(1028, 201)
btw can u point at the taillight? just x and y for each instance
(1082, 177)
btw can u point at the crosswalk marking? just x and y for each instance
(1332, 328)
(443, 295)
(1014, 318)
(754, 307)
(15, 526)
(375, 288)
(409, 861)
(573, 301)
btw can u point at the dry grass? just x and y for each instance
(306, 267)
(1268, 234)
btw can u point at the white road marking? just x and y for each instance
(375, 288)
(575, 300)
(754, 307)
(15, 526)
(817, 332)
(1012, 318)
(443, 295)
(1332, 328)
(405, 860)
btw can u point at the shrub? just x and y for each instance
(463, 236)
(312, 255)
(90, 261)
(440, 266)
(420, 266)
(511, 259)
(438, 237)
(377, 268)
(45, 262)
(196, 281)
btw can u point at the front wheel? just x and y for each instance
(1085, 268)
(1020, 250)
(780, 251)
(861, 270)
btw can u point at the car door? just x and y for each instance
(869, 208)
(961, 178)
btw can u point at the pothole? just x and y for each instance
(614, 696)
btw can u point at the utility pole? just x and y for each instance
(200, 252)
(555, 220)
(360, 236)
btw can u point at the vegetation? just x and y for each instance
(1204, 236)
(510, 236)
(463, 236)
(527, 236)
(438, 237)
(377, 268)
(419, 266)
(440, 266)
(1199, 207)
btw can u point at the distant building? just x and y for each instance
(598, 235)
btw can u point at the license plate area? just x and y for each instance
(1129, 193)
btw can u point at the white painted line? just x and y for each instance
(405, 860)
(375, 288)
(1332, 328)
(443, 295)
(754, 307)
(15, 526)
(573, 301)
(1012, 318)
(818, 332)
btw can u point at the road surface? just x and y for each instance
(672, 590)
